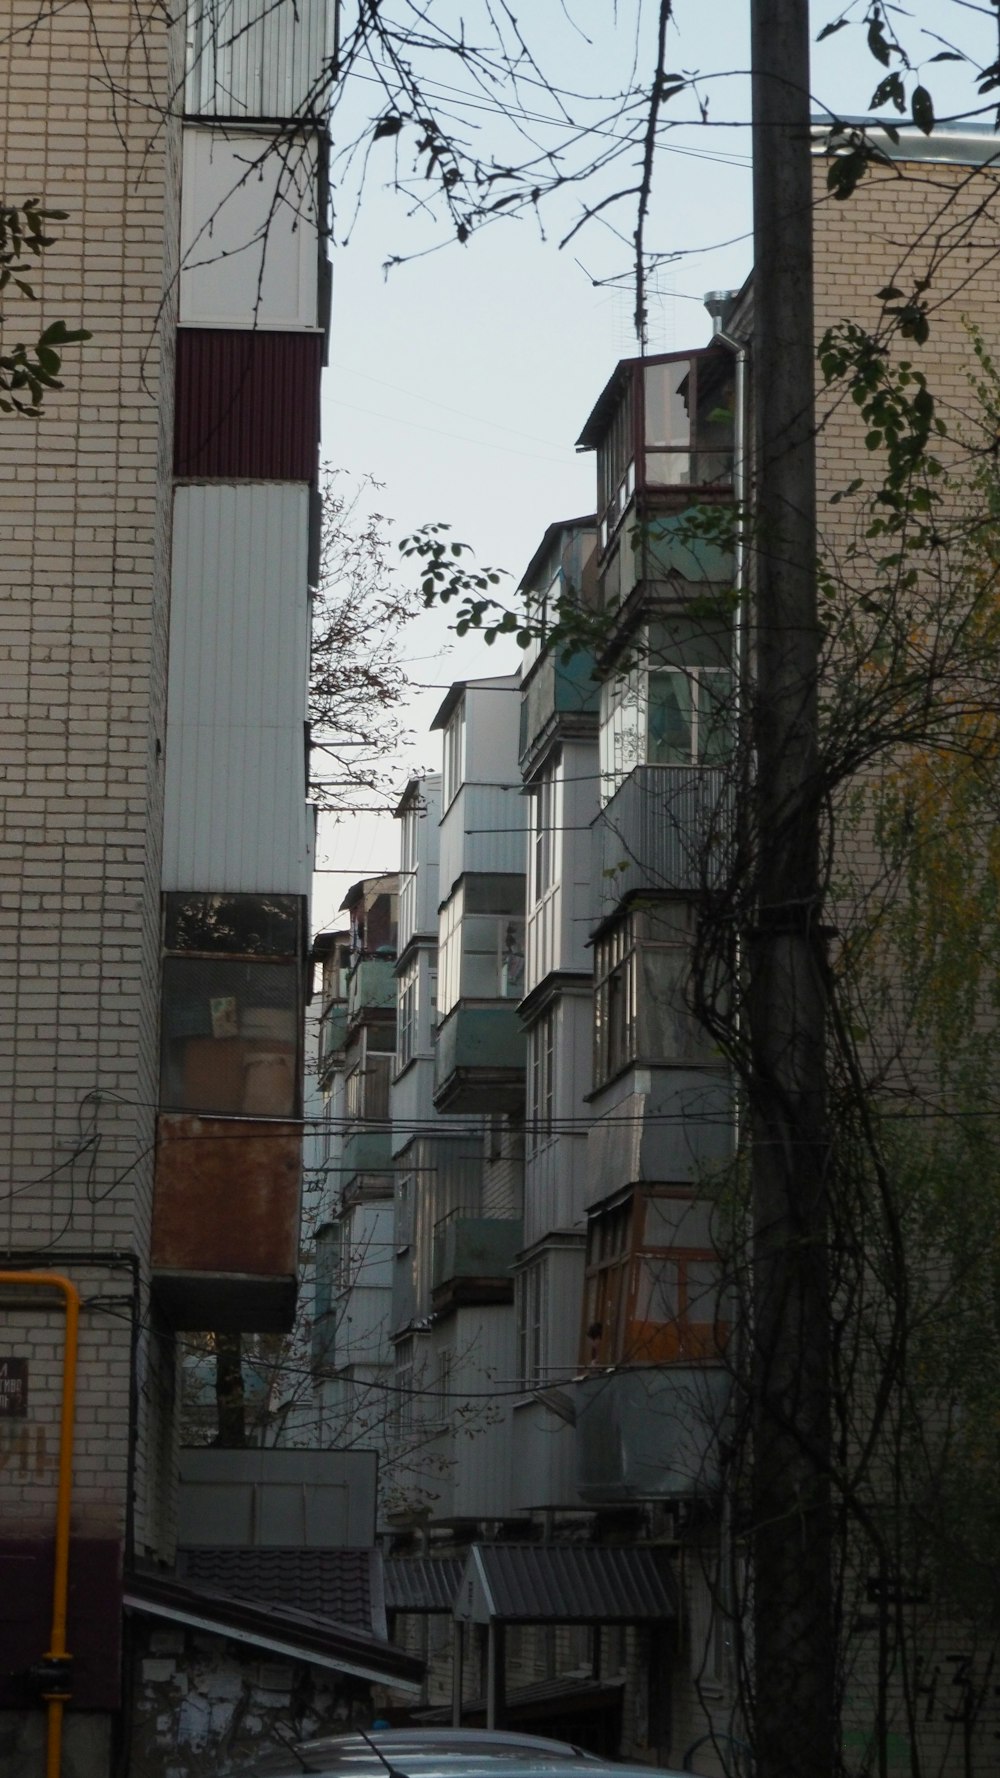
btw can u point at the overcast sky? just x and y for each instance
(462, 378)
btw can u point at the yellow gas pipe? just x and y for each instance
(57, 1651)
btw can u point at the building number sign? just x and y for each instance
(13, 1388)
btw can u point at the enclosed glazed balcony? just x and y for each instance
(560, 695)
(479, 1059)
(650, 1433)
(227, 1179)
(225, 1237)
(371, 986)
(473, 1258)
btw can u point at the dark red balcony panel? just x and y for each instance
(247, 405)
(94, 1614)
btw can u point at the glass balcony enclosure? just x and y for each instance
(661, 423)
(481, 953)
(675, 705)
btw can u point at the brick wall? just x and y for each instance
(84, 504)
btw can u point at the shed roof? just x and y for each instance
(281, 1629)
(422, 1583)
(342, 1585)
(566, 1584)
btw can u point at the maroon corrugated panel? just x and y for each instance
(247, 405)
(94, 1619)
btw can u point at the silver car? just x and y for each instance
(443, 1753)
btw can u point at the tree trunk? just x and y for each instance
(230, 1401)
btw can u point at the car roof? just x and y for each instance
(355, 1750)
(475, 1761)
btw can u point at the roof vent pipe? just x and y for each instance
(718, 302)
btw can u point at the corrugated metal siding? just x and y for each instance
(247, 405)
(483, 1341)
(258, 58)
(668, 827)
(422, 1583)
(588, 1583)
(235, 812)
(484, 830)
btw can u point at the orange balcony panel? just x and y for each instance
(226, 1222)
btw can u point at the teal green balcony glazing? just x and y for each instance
(367, 1151)
(559, 696)
(473, 1257)
(371, 986)
(479, 1059)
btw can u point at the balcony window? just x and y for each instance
(689, 404)
(541, 1081)
(531, 1322)
(231, 1005)
(543, 832)
(408, 1013)
(641, 1012)
(655, 1292)
(453, 763)
(481, 953)
(674, 708)
(366, 1089)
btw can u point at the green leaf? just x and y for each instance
(828, 30)
(922, 107)
(877, 43)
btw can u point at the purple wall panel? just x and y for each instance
(247, 405)
(93, 1623)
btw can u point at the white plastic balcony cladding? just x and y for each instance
(259, 58)
(235, 816)
(559, 923)
(249, 230)
(484, 830)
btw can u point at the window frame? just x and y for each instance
(619, 1250)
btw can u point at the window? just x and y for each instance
(531, 1304)
(654, 1289)
(407, 1021)
(366, 1089)
(543, 832)
(689, 686)
(614, 1002)
(616, 464)
(327, 1263)
(481, 953)
(453, 771)
(404, 1212)
(231, 1012)
(541, 1080)
(641, 1011)
(688, 421)
(673, 709)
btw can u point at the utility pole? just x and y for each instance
(793, 1639)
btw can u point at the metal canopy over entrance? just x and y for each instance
(554, 1584)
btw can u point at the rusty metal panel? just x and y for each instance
(247, 405)
(235, 813)
(226, 1197)
(258, 58)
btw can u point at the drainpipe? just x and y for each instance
(53, 1672)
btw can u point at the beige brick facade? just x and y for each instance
(84, 503)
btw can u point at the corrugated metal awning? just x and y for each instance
(422, 1583)
(566, 1584)
(294, 1635)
